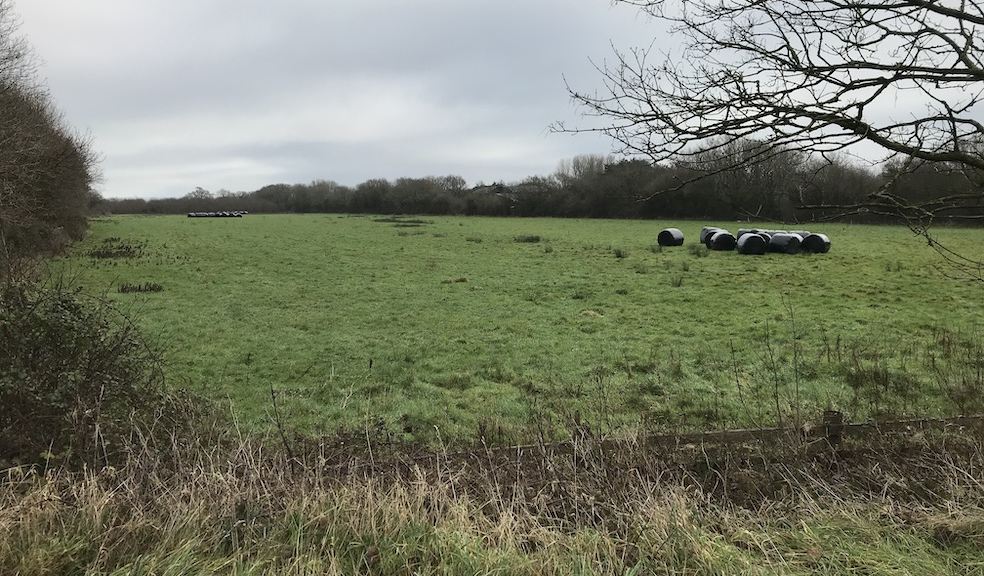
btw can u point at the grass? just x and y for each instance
(246, 511)
(368, 529)
(462, 324)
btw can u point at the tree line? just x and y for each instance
(787, 187)
(46, 169)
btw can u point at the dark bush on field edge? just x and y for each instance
(47, 170)
(76, 380)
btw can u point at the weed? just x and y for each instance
(698, 250)
(113, 248)
(457, 381)
(527, 238)
(126, 287)
(677, 281)
(401, 220)
(620, 253)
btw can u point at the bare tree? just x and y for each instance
(812, 76)
(16, 63)
(581, 166)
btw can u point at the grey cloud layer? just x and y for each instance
(238, 94)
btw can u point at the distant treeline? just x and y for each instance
(46, 170)
(589, 186)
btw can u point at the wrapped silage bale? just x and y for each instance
(670, 237)
(752, 244)
(706, 232)
(785, 243)
(816, 243)
(722, 240)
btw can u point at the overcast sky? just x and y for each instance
(237, 94)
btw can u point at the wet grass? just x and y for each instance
(473, 324)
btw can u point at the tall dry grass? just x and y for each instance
(888, 505)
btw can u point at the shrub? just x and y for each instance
(74, 379)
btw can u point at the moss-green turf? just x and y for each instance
(442, 328)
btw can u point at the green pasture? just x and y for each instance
(438, 327)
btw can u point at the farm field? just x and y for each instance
(439, 327)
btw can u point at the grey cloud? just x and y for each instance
(233, 93)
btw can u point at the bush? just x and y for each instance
(75, 379)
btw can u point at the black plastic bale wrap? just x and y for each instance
(670, 237)
(224, 214)
(710, 236)
(765, 235)
(752, 244)
(816, 243)
(744, 231)
(722, 240)
(785, 243)
(706, 232)
(800, 233)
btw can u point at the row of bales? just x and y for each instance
(753, 240)
(232, 214)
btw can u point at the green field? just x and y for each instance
(441, 328)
